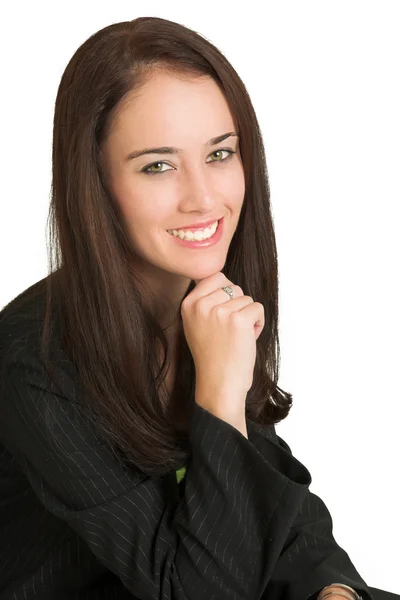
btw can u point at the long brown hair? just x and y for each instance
(106, 329)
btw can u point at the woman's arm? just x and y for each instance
(226, 533)
(310, 559)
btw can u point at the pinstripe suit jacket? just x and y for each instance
(242, 523)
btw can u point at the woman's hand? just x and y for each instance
(221, 334)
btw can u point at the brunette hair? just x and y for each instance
(106, 329)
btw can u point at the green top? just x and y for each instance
(180, 474)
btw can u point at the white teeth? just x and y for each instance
(198, 235)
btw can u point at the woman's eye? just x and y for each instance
(156, 164)
(147, 170)
(216, 152)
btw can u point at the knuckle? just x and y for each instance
(237, 319)
(200, 308)
(187, 302)
(219, 310)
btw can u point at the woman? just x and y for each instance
(139, 457)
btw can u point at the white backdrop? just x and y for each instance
(324, 79)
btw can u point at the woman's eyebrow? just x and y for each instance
(173, 150)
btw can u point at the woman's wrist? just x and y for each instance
(338, 591)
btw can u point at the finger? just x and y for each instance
(218, 275)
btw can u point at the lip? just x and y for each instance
(195, 226)
(203, 243)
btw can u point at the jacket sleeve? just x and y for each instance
(223, 538)
(310, 558)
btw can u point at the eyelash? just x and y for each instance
(161, 162)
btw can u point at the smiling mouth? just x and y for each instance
(195, 235)
(197, 227)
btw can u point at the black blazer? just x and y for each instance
(75, 524)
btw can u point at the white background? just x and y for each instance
(324, 80)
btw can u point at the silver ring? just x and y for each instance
(228, 290)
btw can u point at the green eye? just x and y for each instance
(147, 170)
(216, 152)
(155, 164)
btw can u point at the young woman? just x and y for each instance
(138, 452)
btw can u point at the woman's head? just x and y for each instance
(145, 83)
(156, 192)
(153, 82)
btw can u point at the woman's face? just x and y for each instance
(179, 189)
